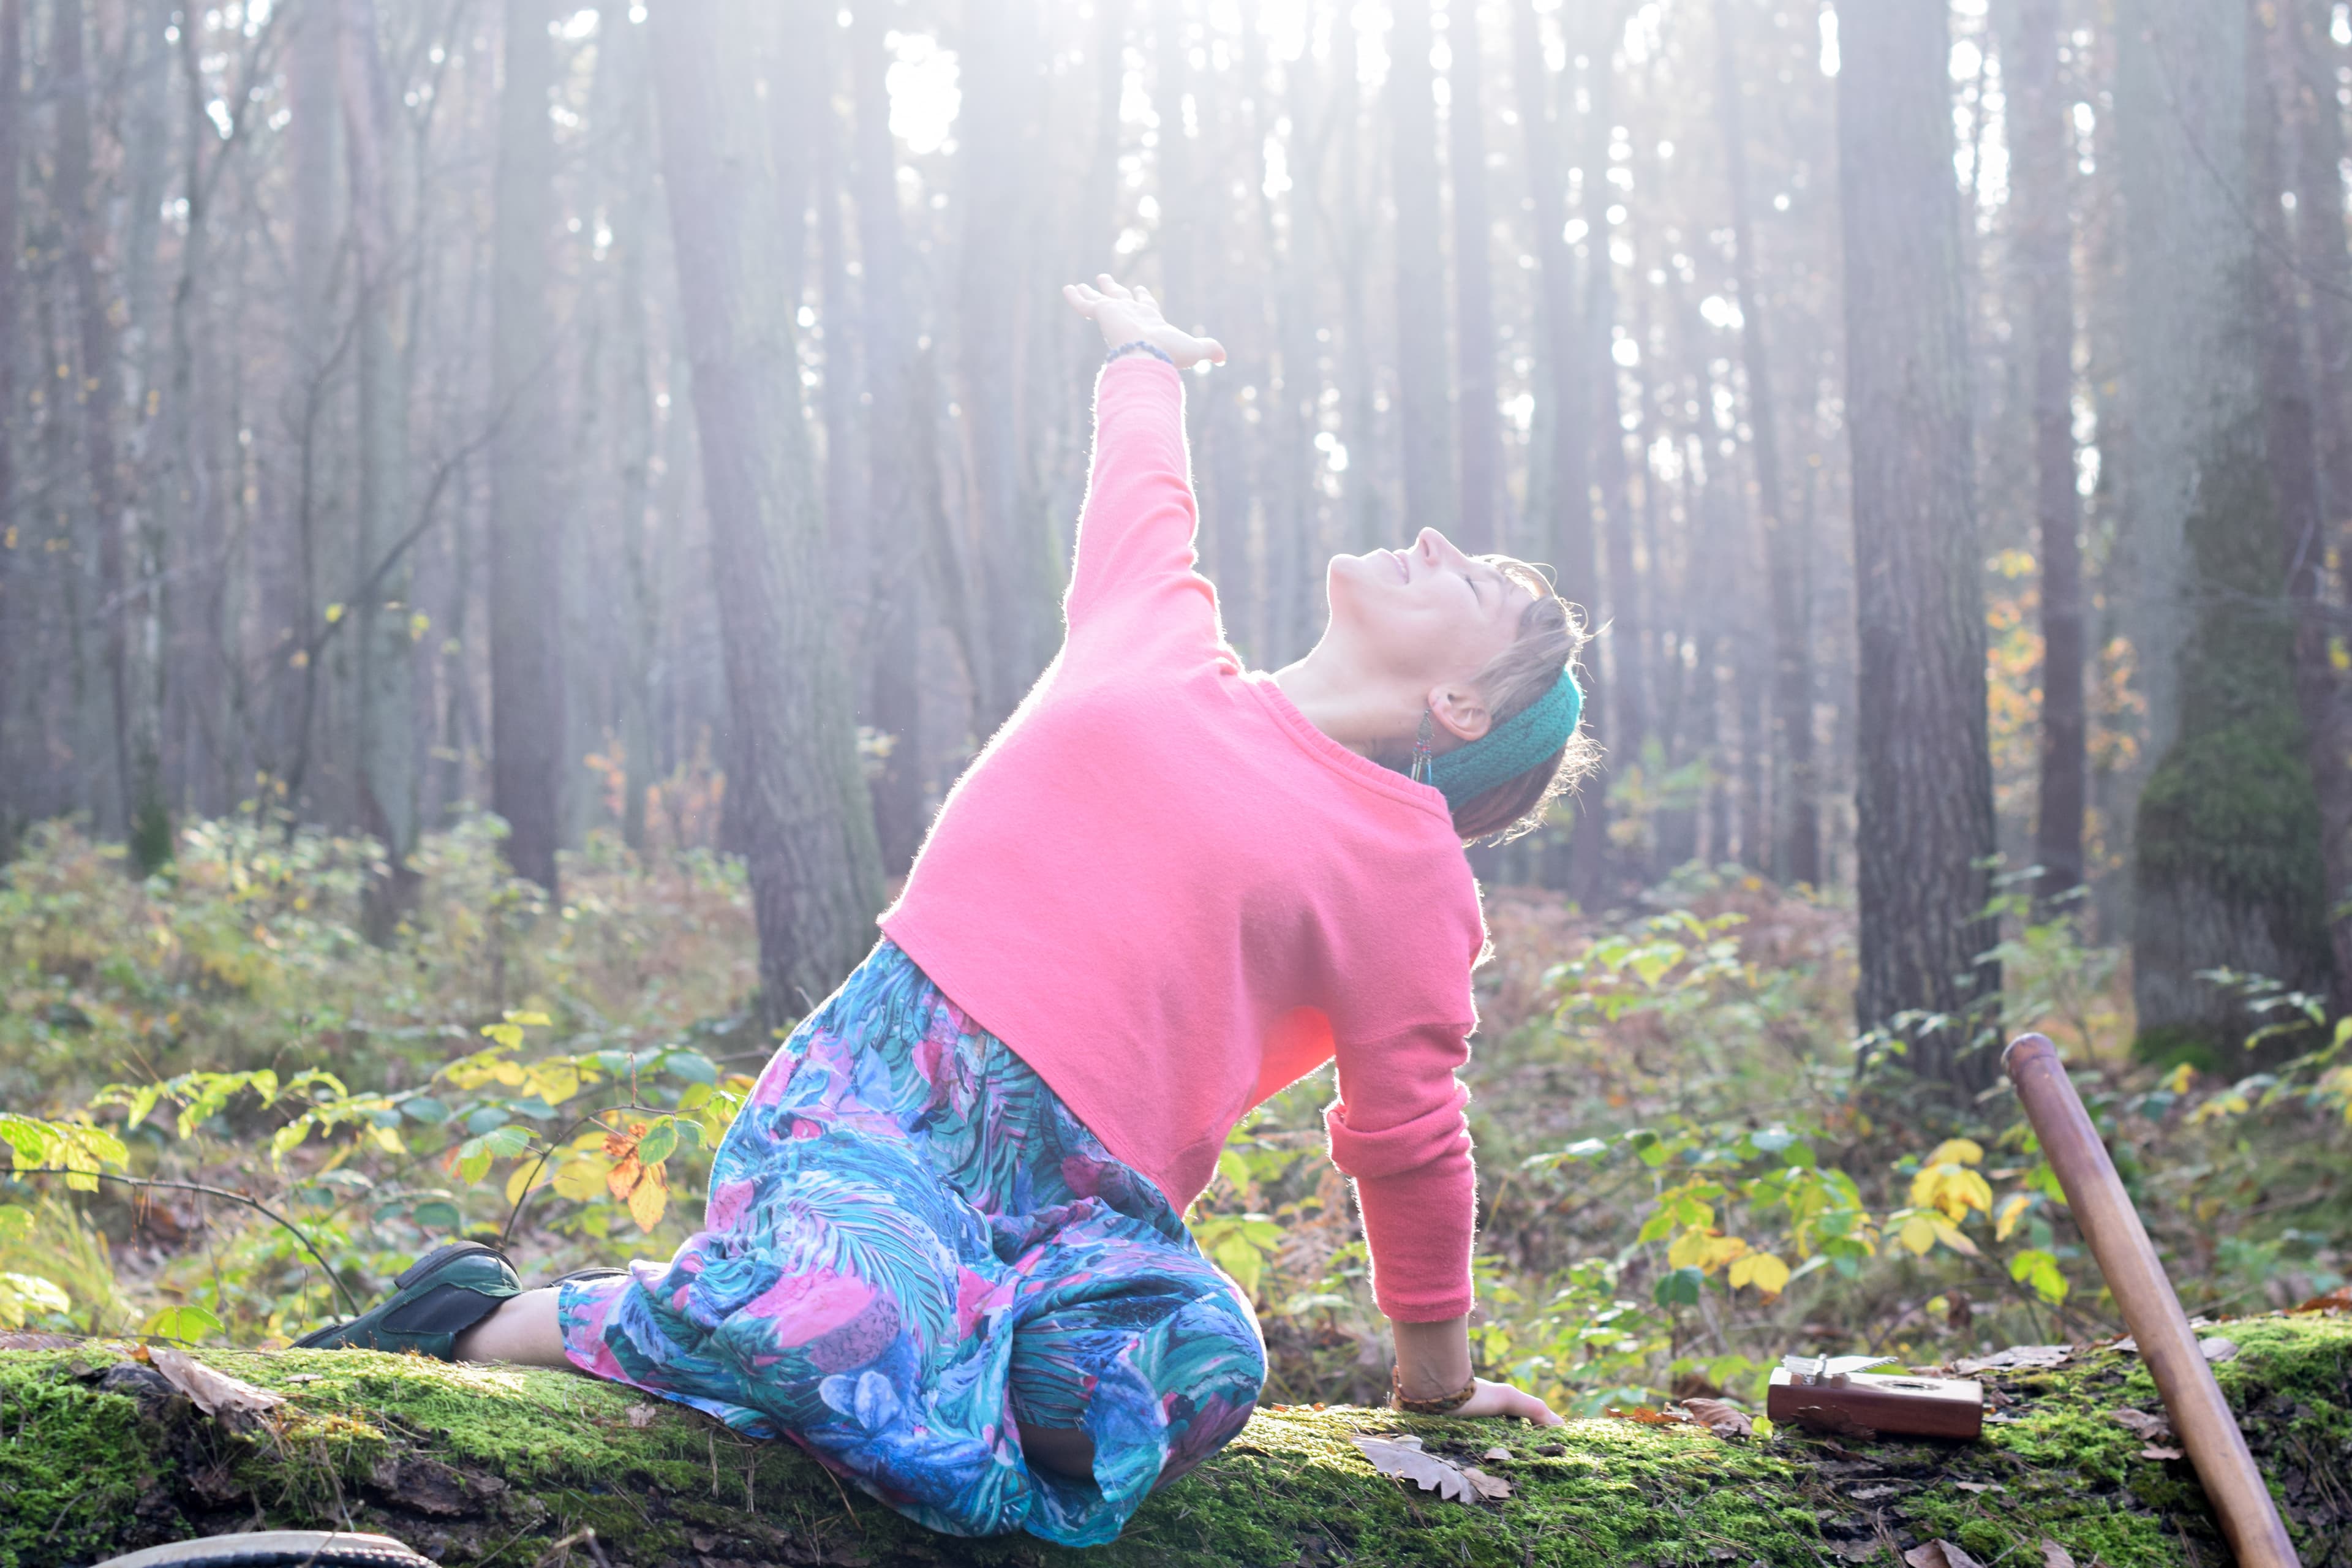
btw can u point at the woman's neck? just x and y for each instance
(1341, 698)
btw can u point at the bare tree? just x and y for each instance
(1924, 790)
(1477, 415)
(1431, 498)
(15, 620)
(526, 534)
(386, 775)
(815, 871)
(1798, 845)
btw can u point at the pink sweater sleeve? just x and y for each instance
(1133, 585)
(1398, 1130)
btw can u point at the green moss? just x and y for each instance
(482, 1465)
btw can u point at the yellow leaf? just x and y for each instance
(553, 1082)
(388, 1139)
(1688, 1250)
(507, 1073)
(532, 1019)
(1958, 1152)
(1744, 1269)
(334, 614)
(2011, 1213)
(1768, 1274)
(580, 1180)
(2176, 1080)
(1918, 1234)
(1720, 1250)
(624, 1178)
(650, 1197)
(528, 1173)
(1952, 1239)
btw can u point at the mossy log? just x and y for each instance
(483, 1465)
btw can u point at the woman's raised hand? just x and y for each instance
(1130, 315)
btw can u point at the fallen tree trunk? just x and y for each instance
(482, 1465)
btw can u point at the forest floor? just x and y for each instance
(1689, 1167)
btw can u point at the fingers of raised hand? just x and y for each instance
(1114, 288)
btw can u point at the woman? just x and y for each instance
(944, 1249)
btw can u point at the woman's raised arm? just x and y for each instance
(1134, 591)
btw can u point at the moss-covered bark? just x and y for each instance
(480, 1466)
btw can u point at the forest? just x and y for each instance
(515, 514)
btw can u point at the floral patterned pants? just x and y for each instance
(912, 1248)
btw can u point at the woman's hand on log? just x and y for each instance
(1502, 1399)
(1131, 315)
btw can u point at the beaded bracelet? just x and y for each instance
(1446, 1405)
(1139, 347)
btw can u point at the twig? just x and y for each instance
(256, 1205)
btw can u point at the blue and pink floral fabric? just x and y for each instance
(912, 1248)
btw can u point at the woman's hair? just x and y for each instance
(1551, 634)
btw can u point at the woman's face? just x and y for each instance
(1425, 616)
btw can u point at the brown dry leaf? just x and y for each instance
(1724, 1419)
(642, 1415)
(2217, 1349)
(1402, 1458)
(1648, 1417)
(1498, 1455)
(1494, 1488)
(213, 1393)
(1939, 1554)
(1980, 1485)
(2054, 1555)
(2148, 1428)
(2020, 1356)
(2336, 1300)
(2154, 1453)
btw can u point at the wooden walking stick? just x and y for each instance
(2109, 1222)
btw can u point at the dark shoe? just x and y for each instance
(433, 1301)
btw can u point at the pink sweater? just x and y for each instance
(1172, 895)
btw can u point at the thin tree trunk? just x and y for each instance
(1016, 551)
(129, 669)
(1478, 418)
(815, 871)
(1294, 579)
(16, 601)
(2041, 143)
(908, 509)
(2296, 480)
(1799, 847)
(1430, 493)
(386, 771)
(2322, 256)
(1366, 526)
(527, 718)
(1924, 793)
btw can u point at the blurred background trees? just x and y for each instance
(658, 421)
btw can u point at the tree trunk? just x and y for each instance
(1923, 791)
(815, 871)
(16, 601)
(909, 514)
(134, 670)
(1294, 575)
(2042, 152)
(386, 771)
(2289, 425)
(1796, 855)
(107, 1458)
(2227, 850)
(1477, 415)
(1424, 420)
(1017, 553)
(527, 727)
(1566, 532)
(2322, 256)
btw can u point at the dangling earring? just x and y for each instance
(1421, 752)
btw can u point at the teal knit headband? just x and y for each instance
(1511, 747)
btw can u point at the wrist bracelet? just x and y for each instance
(1139, 347)
(1446, 1405)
